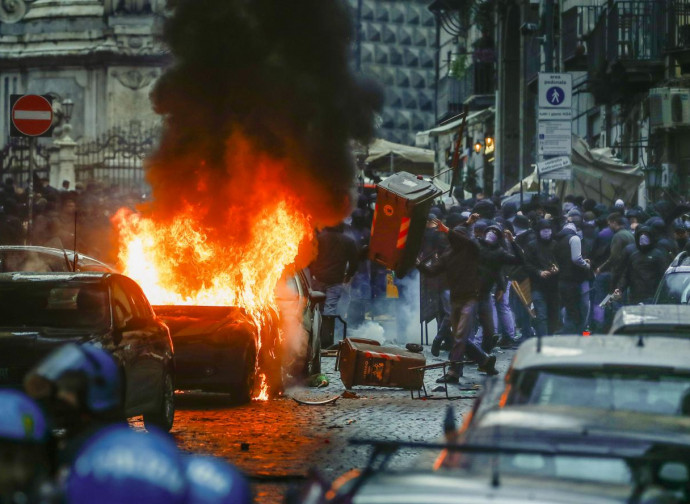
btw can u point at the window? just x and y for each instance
(122, 308)
(142, 308)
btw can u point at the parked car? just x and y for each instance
(674, 287)
(501, 469)
(587, 444)
(42, 311)
(34, 258)
(216, 346)
(606, 372)
(660, 320)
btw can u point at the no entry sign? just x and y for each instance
(31, 115)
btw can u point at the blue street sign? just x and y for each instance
(555, 95)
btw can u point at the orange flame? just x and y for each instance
(233, 272)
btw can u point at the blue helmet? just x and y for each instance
(21, 419)
(214, 481)
(119, 465)
(99, 370)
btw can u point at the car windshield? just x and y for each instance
(54, 305)
(601, 470)
(660, 393)
(674, 289)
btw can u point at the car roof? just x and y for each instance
(59, 276)
(457, 486)
(649, 317)
(603, 350)
(560, 423)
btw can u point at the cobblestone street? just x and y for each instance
(277, 442)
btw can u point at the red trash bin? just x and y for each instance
(402, 204)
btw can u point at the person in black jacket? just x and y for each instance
(460, 264)
(540, 263)
(643, 270)
(335, 264)
(493, 257)
(573, 284)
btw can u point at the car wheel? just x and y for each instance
(242, 392)
(164, 416)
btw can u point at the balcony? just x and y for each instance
(678, 32)
(475, 89)
(577, 23)
(625, 49)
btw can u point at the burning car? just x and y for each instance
(222, 348)
(42, 311)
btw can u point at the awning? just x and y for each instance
(384, 155)
(596, 175)
(451, 127)
(600, 176)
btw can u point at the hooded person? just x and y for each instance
(540, 263)
(573, 282)
(459, 263)
(680, 233)
(643, 270)
(494, 256)
(662, 238)
(519, 274)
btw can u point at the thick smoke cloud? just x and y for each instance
(259, 75)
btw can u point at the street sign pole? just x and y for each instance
(30, 226)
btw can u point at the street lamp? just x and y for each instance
(478, 147)
(67, 108)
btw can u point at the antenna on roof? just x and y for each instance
(76, 256)
(539, 343)
(640, 341)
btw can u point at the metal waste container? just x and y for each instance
(402, 204)
(365, 362)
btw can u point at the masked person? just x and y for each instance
(540, 262)
(335, 264)
(643, 270)
(460, 264)
(493, 257)
(25, 462)
(573, 285)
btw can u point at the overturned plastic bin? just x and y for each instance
(402, 204)
(365, 362)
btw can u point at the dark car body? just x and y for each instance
(216, 347)
(39, 312)
(35, 258)
(670, 320)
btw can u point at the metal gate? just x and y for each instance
(116, 158)
(14, 161)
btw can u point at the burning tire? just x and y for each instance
(243, 391)
(164, 416)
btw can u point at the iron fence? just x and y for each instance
(577, 24)
(678, 19)
(14, 161)
(116, 158)
(635, 31)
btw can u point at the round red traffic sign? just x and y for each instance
(32, 115)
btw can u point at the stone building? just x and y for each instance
(103, 55)
(396, 45)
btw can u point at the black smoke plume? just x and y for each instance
(274, 72)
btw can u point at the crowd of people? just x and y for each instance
(57, 214)
(502, 273)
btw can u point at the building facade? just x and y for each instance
(103, 55)
(396, 45)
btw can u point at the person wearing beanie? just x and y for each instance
(524, 235)
(460, 265)
(644, 269)
(573, 281)
(540, 263)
